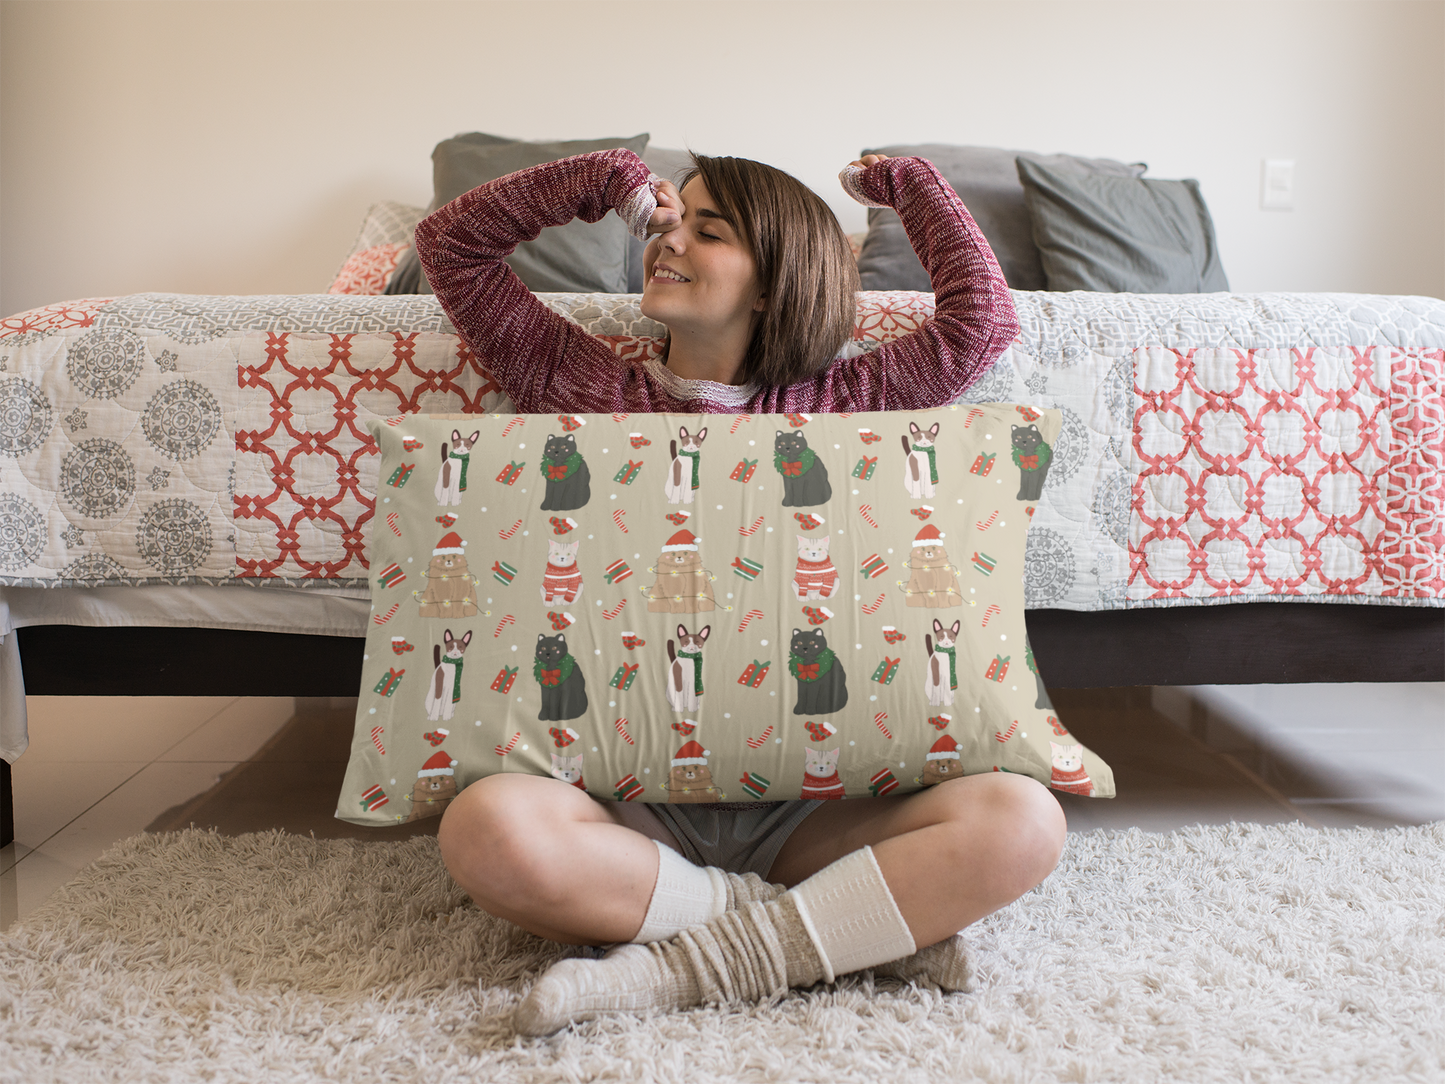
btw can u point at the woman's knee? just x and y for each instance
(1015, 819)
(491, 837)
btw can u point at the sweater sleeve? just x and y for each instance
(540, 359)
(974, 319)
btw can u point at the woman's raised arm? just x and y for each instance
(536, 355)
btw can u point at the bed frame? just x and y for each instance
(1242, 644)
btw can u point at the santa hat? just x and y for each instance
(439, 764)
(929, 536)
(683, 540)
(691, 753)
(945, 748)
(451, 543)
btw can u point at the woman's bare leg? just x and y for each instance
(951, 854)
(542, 854)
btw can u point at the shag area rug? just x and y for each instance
(1227, 953)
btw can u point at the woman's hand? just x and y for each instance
(669, 209)
(868, 160)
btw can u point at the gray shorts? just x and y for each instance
(742, 837)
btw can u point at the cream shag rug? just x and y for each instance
(1231, 953)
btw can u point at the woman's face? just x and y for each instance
(700, 276)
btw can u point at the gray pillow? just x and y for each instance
(670, 165)
(987, 181)
(585, 257)
(1121, 234)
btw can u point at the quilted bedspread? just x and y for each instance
(1215, 447)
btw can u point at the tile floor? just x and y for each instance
(101, 769)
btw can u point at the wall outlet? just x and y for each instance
(1276, 190)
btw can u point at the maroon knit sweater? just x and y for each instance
(547, 363)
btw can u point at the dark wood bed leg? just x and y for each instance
(7, 805)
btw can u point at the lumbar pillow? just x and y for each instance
(666, 608)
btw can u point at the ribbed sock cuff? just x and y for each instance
(851, 916)
(685, 895)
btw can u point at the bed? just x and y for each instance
(1247, 488)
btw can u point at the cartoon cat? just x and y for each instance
(682, 586)
(941, 677)
(1031, 455)
(682, 474)
(1041, 701)
(569, 770)
(569, 482)
(815, 576)
(1068, 769)
(820, 774)
(445, 688)
(920, 466)
(822, 684)
(689, 778)
(943, 762)
(452, 477)
(805, 479)
(564, 689)
(435, 787)
(684, 670)
(561, 579)
(450, 590)
(932, 579)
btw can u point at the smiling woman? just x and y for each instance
(752, 276)
(772, 273)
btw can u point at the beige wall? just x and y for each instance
(233, 147)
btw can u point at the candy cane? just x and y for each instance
(617, 519)
(376, 733)
(873, 609)
(382, 619)
(984, 525)
(864, 510)
(878, 721)
(973, 415)
(394, 422)
(1005, 737)
(847, 415)
(747, 617)
(621, 726)
(510, 531)
(512, 424)
(503, 623)
(391, 521)
(619, 418)
(750, 531)
(988, 615)
(612, 613)
(503, 750)
(759, 742)
(739, 421)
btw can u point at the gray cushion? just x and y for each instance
(987, 181)
(586, 257)
(1121, 234)
(670, 165)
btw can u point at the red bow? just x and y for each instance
(1029, 462)
(808, 671)
(556, 473)
(552, 677)
(793, 470)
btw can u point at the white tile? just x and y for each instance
(236, 732)
(65, 729)
(49, 795)
(128, 809)
(28, 884)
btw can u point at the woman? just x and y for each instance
(752, 276)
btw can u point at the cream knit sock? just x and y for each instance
(945, 965)
(687, 895)
(754, 952)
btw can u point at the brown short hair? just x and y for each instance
(805, 267)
